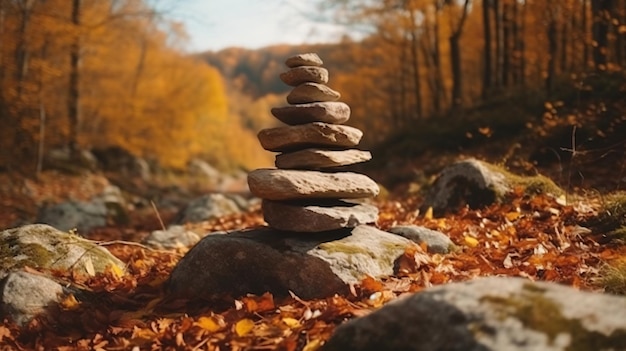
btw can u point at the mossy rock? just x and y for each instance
(44, 247)
(477, 184)
(490, 314)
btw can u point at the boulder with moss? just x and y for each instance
(476, 184)
(46, 248)
(265, 259)
(486, 314)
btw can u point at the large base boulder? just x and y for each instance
(267, 260)
(487, 314)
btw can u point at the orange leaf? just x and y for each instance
(69, 302)
(369, 284)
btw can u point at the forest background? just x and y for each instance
(431, 75)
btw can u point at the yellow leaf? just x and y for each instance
(312, 345)
(117, 271)
(69, 302)
(291, 322)
(470, 241)
(243, 327)
(208, 324)
(429, 213)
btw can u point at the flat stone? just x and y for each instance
(318, 158)
(316, 134)
(334, 112)
(282, 184)
(317, 216)
(304, 74)
(312, 92)
(308, 59)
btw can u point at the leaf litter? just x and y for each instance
(538, 238)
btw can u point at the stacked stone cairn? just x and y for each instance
(308, 192)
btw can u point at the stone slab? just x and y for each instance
(309, 135)
(319, 158)
(317, 216)
(312, 92)
(282, 184)
(334, 112)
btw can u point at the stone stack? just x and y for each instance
(307, 192)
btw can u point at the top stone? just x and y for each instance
(310, 59)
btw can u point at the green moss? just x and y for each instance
(532, 185)
(613, 277)
(543, 315)
(334, 247)
(611, 219)
(389, 254)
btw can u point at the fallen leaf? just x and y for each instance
(209, 324)
(291, 322)
(471, 241)
(244, 326)
(69, 302)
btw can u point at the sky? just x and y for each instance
(218, 24)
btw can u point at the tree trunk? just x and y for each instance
(21, 50)
(499, 41)
(455, 61)
(522, 46)
(441, 97)
(565, 34)
(506, 45)
(487, 69)
(73, 98)
(585, 26)
(601, 10)
(552, 51)
(415, 61)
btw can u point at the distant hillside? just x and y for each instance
(255, 72)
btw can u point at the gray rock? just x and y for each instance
(477, 184)
(201, 168)
(436, 242)
(26, 295)
(81, 215)
(308, 59)
(283, 184)
(107, 207)
(317, 216)
(42, 246)
(333, 112)
(302, 74)
(319, 158)
(209, 207)
(260, 260)
(175, 237)
(495, 313)
(312, 92)
(316, 134)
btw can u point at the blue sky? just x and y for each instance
(217, 24)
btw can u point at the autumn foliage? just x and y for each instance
(92, 73)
